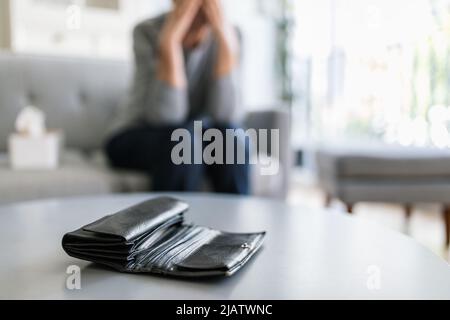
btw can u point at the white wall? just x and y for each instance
(259, 59)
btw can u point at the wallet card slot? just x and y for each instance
(183, 241)
(100, 255)
(145, 241)
(162, 248)
(109, 251)
(179, 251)
(82, 236)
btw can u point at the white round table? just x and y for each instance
(307, 254)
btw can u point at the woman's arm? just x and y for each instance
(158, 101)
(227, 40)
(224, 93)
(171, 67)
(160, 79)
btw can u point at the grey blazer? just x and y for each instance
(155, 102)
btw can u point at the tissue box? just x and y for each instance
(27, 152)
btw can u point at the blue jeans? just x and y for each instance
(148, 149)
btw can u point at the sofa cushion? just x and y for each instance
(79, 96)
(384, 162)
(394, 191)
(77, 175)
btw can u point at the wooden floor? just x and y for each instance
(426, 224)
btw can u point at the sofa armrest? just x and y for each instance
(276, 118)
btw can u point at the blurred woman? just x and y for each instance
(186, 65)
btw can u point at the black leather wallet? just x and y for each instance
(152, 237)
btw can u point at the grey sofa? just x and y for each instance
(386, 174)
(80, 96)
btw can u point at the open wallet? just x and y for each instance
(152, 237)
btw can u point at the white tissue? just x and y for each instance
(31, 122)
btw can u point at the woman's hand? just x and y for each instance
(171, 64)
(179, 21)
(213, 12)
(226, 36)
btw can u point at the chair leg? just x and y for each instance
(349, 208)
(328, 199)
(407, 208)
(446, 216)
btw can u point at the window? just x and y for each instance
(379, 70)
